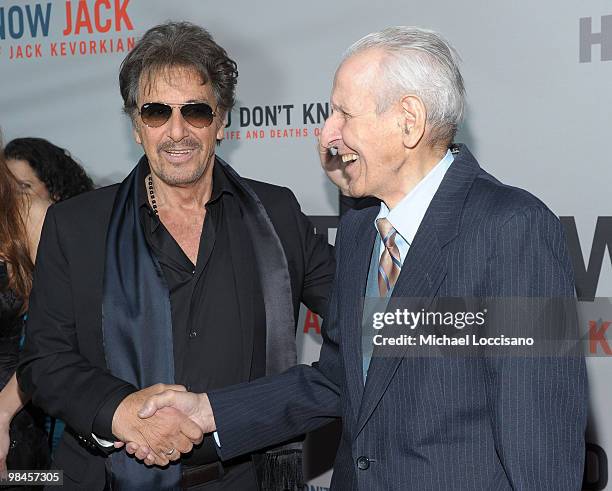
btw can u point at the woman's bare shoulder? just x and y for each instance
(35, 210)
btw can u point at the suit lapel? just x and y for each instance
(421, 276)
(274, 276)
(353, 292)
(424, 269)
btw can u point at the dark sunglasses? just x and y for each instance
(156, 114)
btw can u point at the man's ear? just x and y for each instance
(221, 128)
(136, 132)
(413, 119)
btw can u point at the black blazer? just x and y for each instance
(446, 423)
(63, 366)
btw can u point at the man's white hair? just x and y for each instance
(420, 62)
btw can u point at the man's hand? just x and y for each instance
(330, 141)
(195, 406)
(166, 434)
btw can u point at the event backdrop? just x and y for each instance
(539, 103)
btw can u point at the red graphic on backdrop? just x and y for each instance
(30, 25)
(312, 322)
(102, 20)
(597, 337)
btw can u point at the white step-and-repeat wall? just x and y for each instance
(538, 76)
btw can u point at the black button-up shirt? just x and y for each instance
(210, 342)
(203, 297)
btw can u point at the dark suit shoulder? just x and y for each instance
(500, 201)
(87, 205)
(82, 221)
(280, 204)
(272, 195)
(514, 216)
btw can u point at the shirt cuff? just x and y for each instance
(216, 437)
(102, 442)
(103, 421)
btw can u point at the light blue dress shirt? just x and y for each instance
(408, 214)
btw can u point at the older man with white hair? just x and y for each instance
(444, 228)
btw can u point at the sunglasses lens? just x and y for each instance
(199, 115)
(155, 114)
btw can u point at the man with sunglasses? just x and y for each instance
(184, 273)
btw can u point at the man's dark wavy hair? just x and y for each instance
(53, 165)
(178, 45)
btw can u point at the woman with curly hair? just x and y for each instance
(45, 170)
(23, 442)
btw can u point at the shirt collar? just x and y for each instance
(221, 184)
(408, 214)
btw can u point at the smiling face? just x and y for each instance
(26, 178)
(371, 144)
(179, 153)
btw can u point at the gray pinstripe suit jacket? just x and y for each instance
(444, 423)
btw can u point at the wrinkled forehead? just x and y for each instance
(157, 78)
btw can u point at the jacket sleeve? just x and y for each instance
(538, 404)
(52, 371)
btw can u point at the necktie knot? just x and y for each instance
(386, 230)
(390, 265)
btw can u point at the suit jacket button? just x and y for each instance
(363, 463)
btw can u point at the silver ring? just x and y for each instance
(170, 452)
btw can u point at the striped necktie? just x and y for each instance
(389, 265)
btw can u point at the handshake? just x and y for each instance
(161, 422)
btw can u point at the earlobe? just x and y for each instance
(221, 128)
(136, 136)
